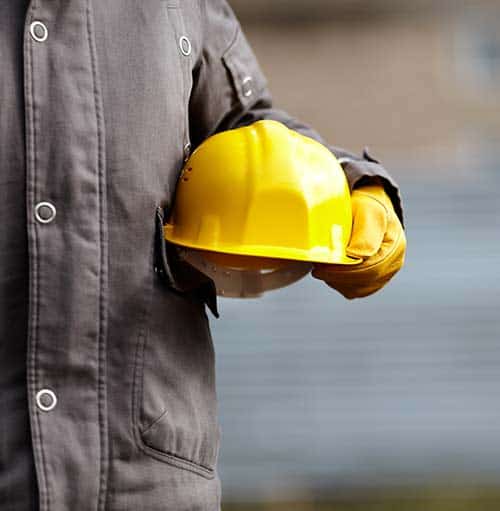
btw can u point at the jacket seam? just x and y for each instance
(101, 391)
(232, 42)
(165, 457)
(34, 371)
(153, 424)
(137, 393)
(139, 352)
(237, 73)
(177, 461)
(176, 20)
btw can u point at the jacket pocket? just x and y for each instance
(175, 408)
(177, 274)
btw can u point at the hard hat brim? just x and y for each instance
(319, 255)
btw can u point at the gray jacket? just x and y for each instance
(106, 358)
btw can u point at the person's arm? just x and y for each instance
(230, 90)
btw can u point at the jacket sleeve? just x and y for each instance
(230, 90)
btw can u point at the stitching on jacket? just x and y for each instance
(139, 352)
(153, 424)
(179, 461)
(101, 392)
(232, 43)
(238, 71)
(176, 20)
(34, 376)
(138, 389)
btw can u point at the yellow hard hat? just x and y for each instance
(263, 190)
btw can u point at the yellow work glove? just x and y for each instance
(377, 237)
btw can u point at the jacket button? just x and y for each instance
(45, 212)
(247, 86)
(38, 31)
(185, 46)
(46, 400)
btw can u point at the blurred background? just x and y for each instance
(392, 402)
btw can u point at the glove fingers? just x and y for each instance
(361, 280)
(373, 274)
(369, 227)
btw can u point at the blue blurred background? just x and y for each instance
(391, 402)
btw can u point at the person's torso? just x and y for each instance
(94, 130)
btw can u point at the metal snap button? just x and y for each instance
(185, 46)
(247, 86)
(45, 212)
(46, 400)
(187, 152)
(38, 31)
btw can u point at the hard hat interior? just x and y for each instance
(237, 276)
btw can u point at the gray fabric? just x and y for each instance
(96, 120)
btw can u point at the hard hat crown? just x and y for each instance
(263, 190)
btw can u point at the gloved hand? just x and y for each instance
(377, 237)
